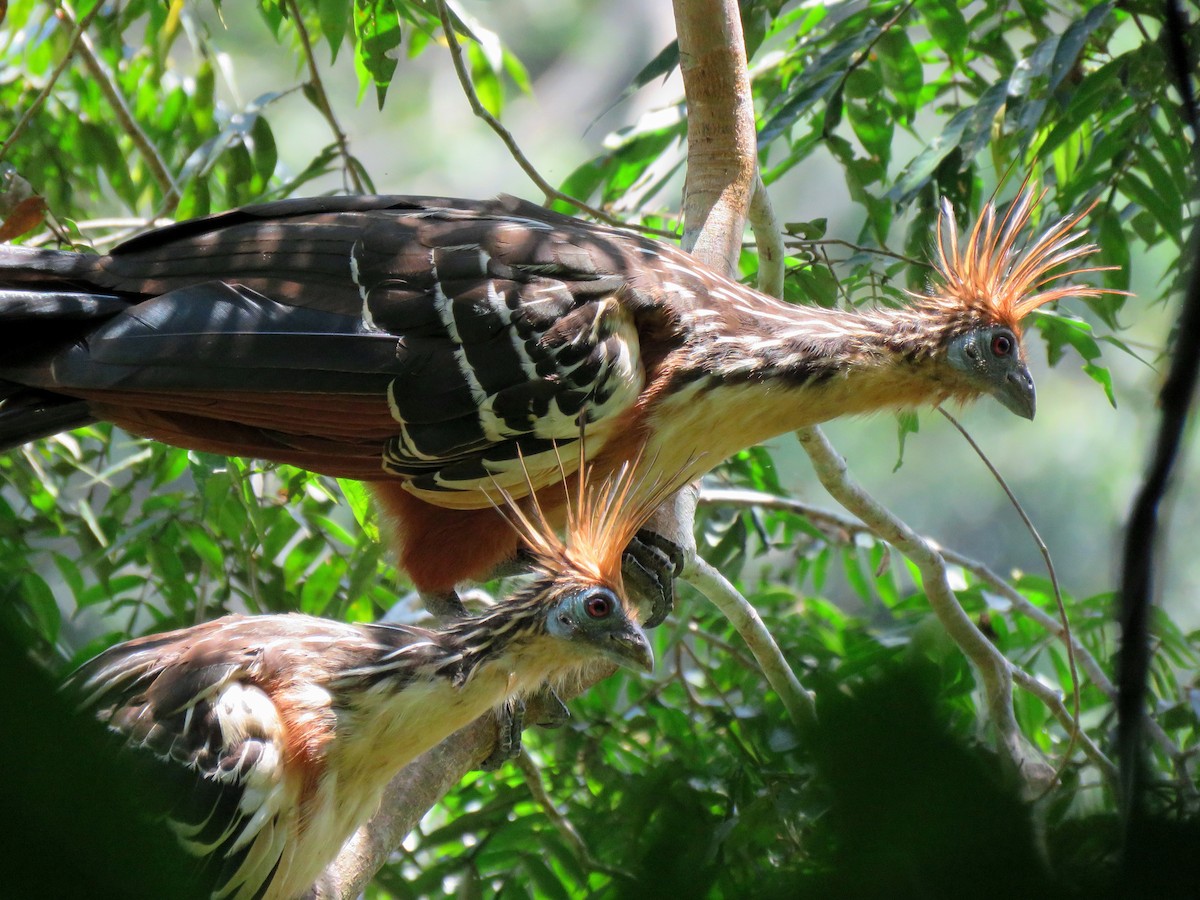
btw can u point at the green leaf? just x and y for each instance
(266, 156)
(319, 587)
(1114, 251)
(334, 21)
(1168, 214)
(918, 172)
(816, 284)
(907, 422)
(359, 499)
(947, 25)
(40, 602)
(1072, 42)
(377, 35)
(901, 68)
(1102, 377)
(663, 64)
(1060, 332)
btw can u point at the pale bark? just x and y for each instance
(722, 143)
(722, 163)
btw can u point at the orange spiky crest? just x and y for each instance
(991, 280)
(601, 519)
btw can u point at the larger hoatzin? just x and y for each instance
(287, 728)
(427, 345)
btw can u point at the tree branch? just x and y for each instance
(842, 529)
(320, 99)
(477, 107)
(995, 671)
(722, 143)
(746, 620)
(72, 44)
(768, 238)
(116, 101)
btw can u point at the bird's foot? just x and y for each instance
(550, 712)
(650, 565)
(444, 604)
(510, 721)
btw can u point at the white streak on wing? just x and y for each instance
(367, 318)
(516, 222)
(679, 289)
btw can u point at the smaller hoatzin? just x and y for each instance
(429, 345)
(289, 727)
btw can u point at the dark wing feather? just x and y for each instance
(171, 698)
(476, 329)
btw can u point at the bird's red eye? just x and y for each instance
(598, 606)
(1002, 345)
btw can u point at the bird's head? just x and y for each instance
(597, 621)
(984, 287)
(578, 588)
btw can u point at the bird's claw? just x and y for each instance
(510, 721)
(447, 605)
(551, 711)
(650, 565)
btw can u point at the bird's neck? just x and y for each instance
(755, 367)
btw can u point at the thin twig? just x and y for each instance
(124, 116)
(747, 622)
(723, 645)
(865, 53)
(321, 101)
(48, 89)
(532, 776)
(1045, 551)
(1070, 723)
(994, 669)
(857, 248)
(842, 529)
(477, 107)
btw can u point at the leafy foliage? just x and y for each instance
(696, 775)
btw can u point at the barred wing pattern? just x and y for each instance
(241, 711)
(435, 340)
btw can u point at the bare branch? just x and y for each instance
(1069, 722)
(746, 620)
(842, 529)
(722, 143)
(768, 239)
(124, 116)
(1045, 551)
(995, 671)
(857, 248)
(417, 787)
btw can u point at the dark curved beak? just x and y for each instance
(1017, 393)
(629, 648)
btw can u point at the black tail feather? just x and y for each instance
(27, 415)
(25, 266)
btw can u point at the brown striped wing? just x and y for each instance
(429, 339)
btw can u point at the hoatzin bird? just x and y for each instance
(288, 727)
(427, 345)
